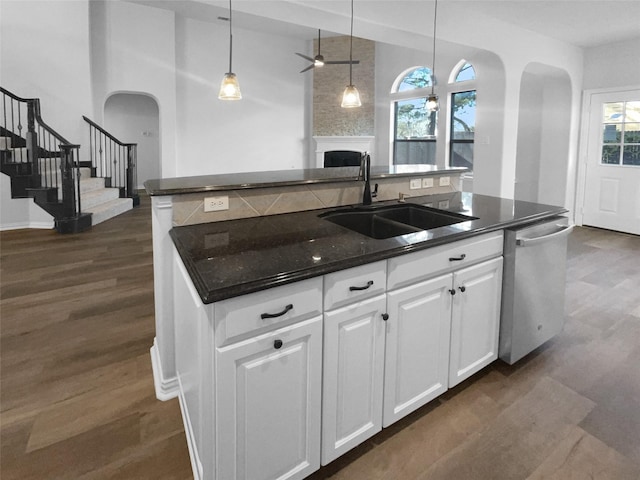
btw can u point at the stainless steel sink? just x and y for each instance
(392, 220)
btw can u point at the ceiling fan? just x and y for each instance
(319, 61)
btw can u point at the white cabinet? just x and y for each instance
(475, 321)
(352, 376)
(417, 346)
(353, 363)
(268, 392)
(268, 381)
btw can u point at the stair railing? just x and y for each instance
(114, 160)
(53, 159)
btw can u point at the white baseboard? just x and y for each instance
(166, 388)
(196, 464)
(20, 225)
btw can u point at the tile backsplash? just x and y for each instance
(188, 209)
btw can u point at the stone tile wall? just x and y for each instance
(189, 209)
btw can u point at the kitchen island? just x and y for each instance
(289, 326)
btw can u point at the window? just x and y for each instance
(621, 133)
(465, 72)
(414, 126)
(463, 125)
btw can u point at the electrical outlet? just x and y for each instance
(427, 183)
(415, 183)
(444, 181)
(443, 204)
(213, 204)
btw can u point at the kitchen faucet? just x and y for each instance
(365, 174)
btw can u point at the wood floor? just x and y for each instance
(77, 398)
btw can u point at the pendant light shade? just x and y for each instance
(351, 96)
(230, 88)
(432, 101)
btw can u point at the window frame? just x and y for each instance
(453, 141)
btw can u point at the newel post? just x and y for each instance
(70, 181)
(31, 138)
(132, 171)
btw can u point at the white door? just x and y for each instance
(417, 353)
(475, 319)
(612, 180)
(267, 408)
(352, 376)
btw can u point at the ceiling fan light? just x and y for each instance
(318, 61)
(432, 103)
(230, 88)
(351, 97)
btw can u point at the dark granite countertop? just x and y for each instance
(235, 257)
(283, 178)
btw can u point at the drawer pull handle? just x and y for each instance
(457, 259)
(369, 283)
(385, 316)
(452, 291)
(274, 315)
(462, 288)
(277, 344)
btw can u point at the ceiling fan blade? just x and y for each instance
(305, 57)
(308, 68)
(342, 62)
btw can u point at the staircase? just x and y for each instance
(46, 167)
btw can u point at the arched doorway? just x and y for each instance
(544, 123)
(135, 118)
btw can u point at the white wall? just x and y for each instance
(612, 65)
(137, 55)
(44, 52)
(20, 212)
(267, 129)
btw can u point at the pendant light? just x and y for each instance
(351, 96)
(432, 99)
(230, 88)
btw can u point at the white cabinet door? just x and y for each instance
(475, 320)
(352, 376)
(417, 346)
(268, 391)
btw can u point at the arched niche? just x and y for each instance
(544, 122)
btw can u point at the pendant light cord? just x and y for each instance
(433, 63)
(351, 48)
(230, 38)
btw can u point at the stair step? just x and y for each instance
(109, 209)
(98, 196)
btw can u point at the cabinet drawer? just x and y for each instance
(353, 284)
(255, 313)
(413, 267)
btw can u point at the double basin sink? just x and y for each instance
(388, 221)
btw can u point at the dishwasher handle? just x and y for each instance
(528, 242)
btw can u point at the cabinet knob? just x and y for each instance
(385, 316)
(462, 288)
(452, 291)
(277, 344)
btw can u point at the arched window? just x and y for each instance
(414, 126)
(463, 72)
(463, 116)
(414, 78)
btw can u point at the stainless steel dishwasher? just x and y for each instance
(533, 286)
